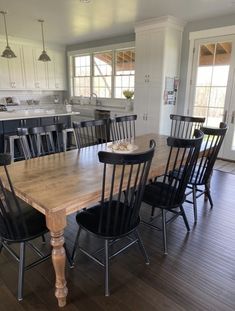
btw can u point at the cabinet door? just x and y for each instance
(1, 137)
(29, 68)
(51, 71)
(141, 107)
(141, 62)
(155, 57)
(12, 70)
(56, 71)
(60, 70)
(40, 70)
(4, 70)
(141, 82)
(16, 73)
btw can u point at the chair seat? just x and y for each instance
(160, 195)
(33, 226)
(89, 220)
(11, 135)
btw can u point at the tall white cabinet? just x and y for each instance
(158, 47)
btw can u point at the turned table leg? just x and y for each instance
(56, 223)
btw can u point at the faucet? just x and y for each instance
(93, 95)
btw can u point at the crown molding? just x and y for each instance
(159, 23)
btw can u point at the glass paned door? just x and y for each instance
(213, 67)
(212, 85)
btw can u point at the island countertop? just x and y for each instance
(36, 113)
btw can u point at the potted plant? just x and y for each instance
(128, 95)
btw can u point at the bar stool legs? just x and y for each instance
(65, 134)
(9, 145)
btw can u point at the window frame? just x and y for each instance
(91, 52)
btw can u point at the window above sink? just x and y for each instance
(105, 71)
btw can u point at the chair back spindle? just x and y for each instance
(184, 126)
(212, 142)
(91, 132)
(181, 160)
(123, 127)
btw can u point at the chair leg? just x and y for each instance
(12, 149)
(75, 139)
(75, 247)
(208, 193)
(69, 258)
(142, 248)
(195, 203)
(43, 239)
(164, 233)
(184, 218)
(152, 211)
(21, 271)
(1, 246)
(106, 268)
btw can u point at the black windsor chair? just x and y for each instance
(203, 169)
(19, 223)
(168, 194)
(117, 215)
(39, 141)
(123, 127)
(91, 132)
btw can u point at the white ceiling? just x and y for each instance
(70, 21)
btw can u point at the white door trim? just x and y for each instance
(193, 36)
(213, 32)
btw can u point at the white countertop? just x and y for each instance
(33, 113)
(96, 107)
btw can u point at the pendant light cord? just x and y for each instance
(43, 43)
(5, 24)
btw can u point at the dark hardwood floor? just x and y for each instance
(197, 274)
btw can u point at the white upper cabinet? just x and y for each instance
(41, 76)
(4, 70)
(56, 70)
(26, 72)
(11, 70)
(29, 68)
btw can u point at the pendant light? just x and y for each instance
(7, 53)
(43, 57)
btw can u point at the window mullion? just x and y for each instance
(91, 73)
(113, 75)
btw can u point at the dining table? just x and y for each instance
(60, 184)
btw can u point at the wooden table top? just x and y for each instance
(72, 180)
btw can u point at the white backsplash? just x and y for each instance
(44, 97)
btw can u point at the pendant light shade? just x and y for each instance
(43, 57)
(7, 53)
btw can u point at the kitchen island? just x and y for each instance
(11, 120)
